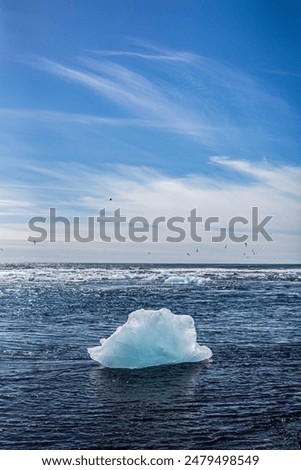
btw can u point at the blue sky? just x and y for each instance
(163, 106)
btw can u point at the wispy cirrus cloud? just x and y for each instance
(44, 115)
(164, 56)
(284, 179)
(211, 102)
(139, 95)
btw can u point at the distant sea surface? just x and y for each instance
(53, 396)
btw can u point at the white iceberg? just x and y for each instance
(151, 338)
(181, 280)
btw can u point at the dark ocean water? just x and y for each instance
(53, 396)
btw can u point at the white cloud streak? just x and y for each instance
(283, 179)
(179, 57)
(205, 100)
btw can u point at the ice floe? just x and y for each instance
(151, 338)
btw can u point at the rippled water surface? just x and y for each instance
(53, 396)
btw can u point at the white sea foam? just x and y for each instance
(151, 338)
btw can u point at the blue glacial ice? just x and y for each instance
(151, 338)
(185, 280)
(181, 280)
